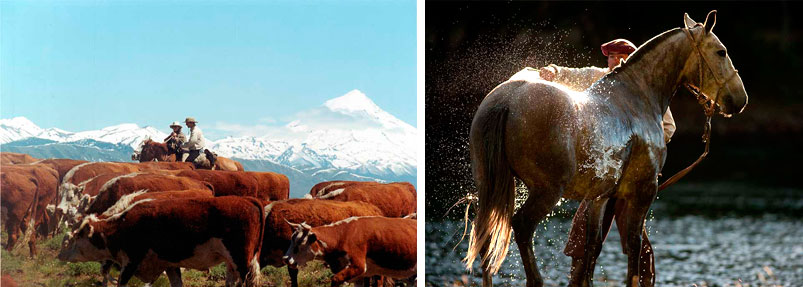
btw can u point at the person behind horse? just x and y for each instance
(175, 140)
(195, 145)
(580, 79)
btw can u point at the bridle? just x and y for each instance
(709, 105)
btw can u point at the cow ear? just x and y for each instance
(312, 238)
(688, 21)
(710, 21)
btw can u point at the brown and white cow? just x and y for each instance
(117, 187)
(276, 186)
(26, 191)
(61, 165)
(314, 212)
(357, 247)
(70, 189)
(395, 199)
(129, 199)
(263, 185)
(9, 158)
(152, 236)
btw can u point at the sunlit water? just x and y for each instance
(689, 251)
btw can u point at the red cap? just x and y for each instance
(619, 46)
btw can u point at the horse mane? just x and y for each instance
(646, 48)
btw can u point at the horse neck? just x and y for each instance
(655, 75)
(158, 150)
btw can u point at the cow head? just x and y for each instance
(84, 243)
(72, 202)
(304, 246)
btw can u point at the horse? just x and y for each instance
(604, 145)
(151, 150)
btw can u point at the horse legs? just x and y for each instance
(589, 229)
(646, 256)
(487, 277)
(537, 206)
(632, 219)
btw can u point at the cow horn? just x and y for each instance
(293, 225)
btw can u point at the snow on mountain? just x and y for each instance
(349, 132)
(261, 148)
(357, 104)
(128, 134)
(17, 128)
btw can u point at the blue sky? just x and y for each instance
(84, 65)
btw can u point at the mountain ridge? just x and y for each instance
(347, 138)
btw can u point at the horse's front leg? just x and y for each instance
(632, 219)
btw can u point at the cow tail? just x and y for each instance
(30, 211)
(253, 276)
(491, 229)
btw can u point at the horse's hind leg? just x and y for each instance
(487, 277)
(540, 202)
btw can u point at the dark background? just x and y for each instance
(755, 160)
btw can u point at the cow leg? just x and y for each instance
(353, 270)
(14, 229)
(293, 276)
(127, 272)
(174, 276)
(32, 243)
(105, 269)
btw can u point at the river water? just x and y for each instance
(764, 250)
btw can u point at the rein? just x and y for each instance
(709, 107)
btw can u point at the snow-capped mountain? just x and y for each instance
(346, 138)
(347, 133)
(19, 128)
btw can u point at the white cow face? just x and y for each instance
(301, 248)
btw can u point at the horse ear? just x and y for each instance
(688, 21)
(710, 21)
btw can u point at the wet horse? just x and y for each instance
(155, 151)
(602, 145)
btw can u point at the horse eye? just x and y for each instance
(721, 53)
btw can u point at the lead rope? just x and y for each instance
(708, 109)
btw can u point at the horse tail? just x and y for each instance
(491, 229)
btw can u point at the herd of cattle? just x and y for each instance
(157, 217)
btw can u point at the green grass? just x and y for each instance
(45, 270)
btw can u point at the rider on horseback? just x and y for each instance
(196, 143)
(175, 140)
(580, 79)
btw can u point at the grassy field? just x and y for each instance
(45, 270)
